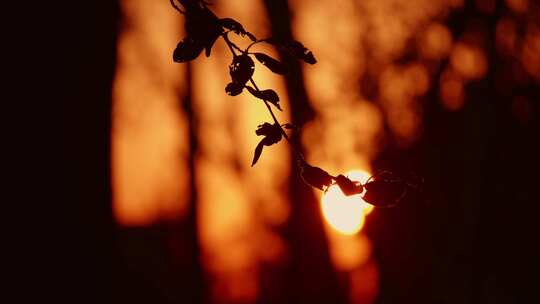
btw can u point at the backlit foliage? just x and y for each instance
(203, 28)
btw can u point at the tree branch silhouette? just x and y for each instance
(203, 28)
(232, 46)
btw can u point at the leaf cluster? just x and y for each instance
(203, 28)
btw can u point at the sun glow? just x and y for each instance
(343, 213)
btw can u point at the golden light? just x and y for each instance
(469, 61)
(346, 213)
(452, 90)
(150, 137)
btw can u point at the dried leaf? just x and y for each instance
(264, 129)
(293, 48)
(347, 186)
(234, 89)
(316, 177)
(241, 69)
(236, 27)
(202, 25)
(187, 50)
(272, 135)
(384, 193)
(268, 95)
(258, 152)
(271, 63)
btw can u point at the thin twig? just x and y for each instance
(253, 43)
(230, 43)
(297, 153)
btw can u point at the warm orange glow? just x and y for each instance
(452, 91)
(345, 213)
(238, 205)
(518, 6)
(400, 87)
(149, 133)
(469, 61)
(436, 41)
(530, 54)
(364, 283)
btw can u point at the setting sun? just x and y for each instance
(345, 213)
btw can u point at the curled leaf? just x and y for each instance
(234, 89)
(384, 193)
(347, 186)
(187, 50)
(236, 27)
(241, 69)
(316, 177)
(293, 48)
(258, 152)
(271, 132)
(202, 25)
(272, 135)
(271, 63)
(268, 95)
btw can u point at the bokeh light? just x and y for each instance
(345, 213)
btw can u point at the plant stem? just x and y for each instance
(297, 153)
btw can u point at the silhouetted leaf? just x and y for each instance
(293, 48)
(258, 152)
(264, 129)
(384, 193)
(272, 135)
(347, 186)
(234, 89)
(241, 69)
(208, 45)
(202, 25)
(271, 132)
(236, 27)
(268, 95)
(316, 177)
(271, 63)
(187, 50)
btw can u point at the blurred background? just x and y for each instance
(170, 211)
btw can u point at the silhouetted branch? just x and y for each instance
(203, 28)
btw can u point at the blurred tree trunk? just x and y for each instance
(309, 275)
(189, 251)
